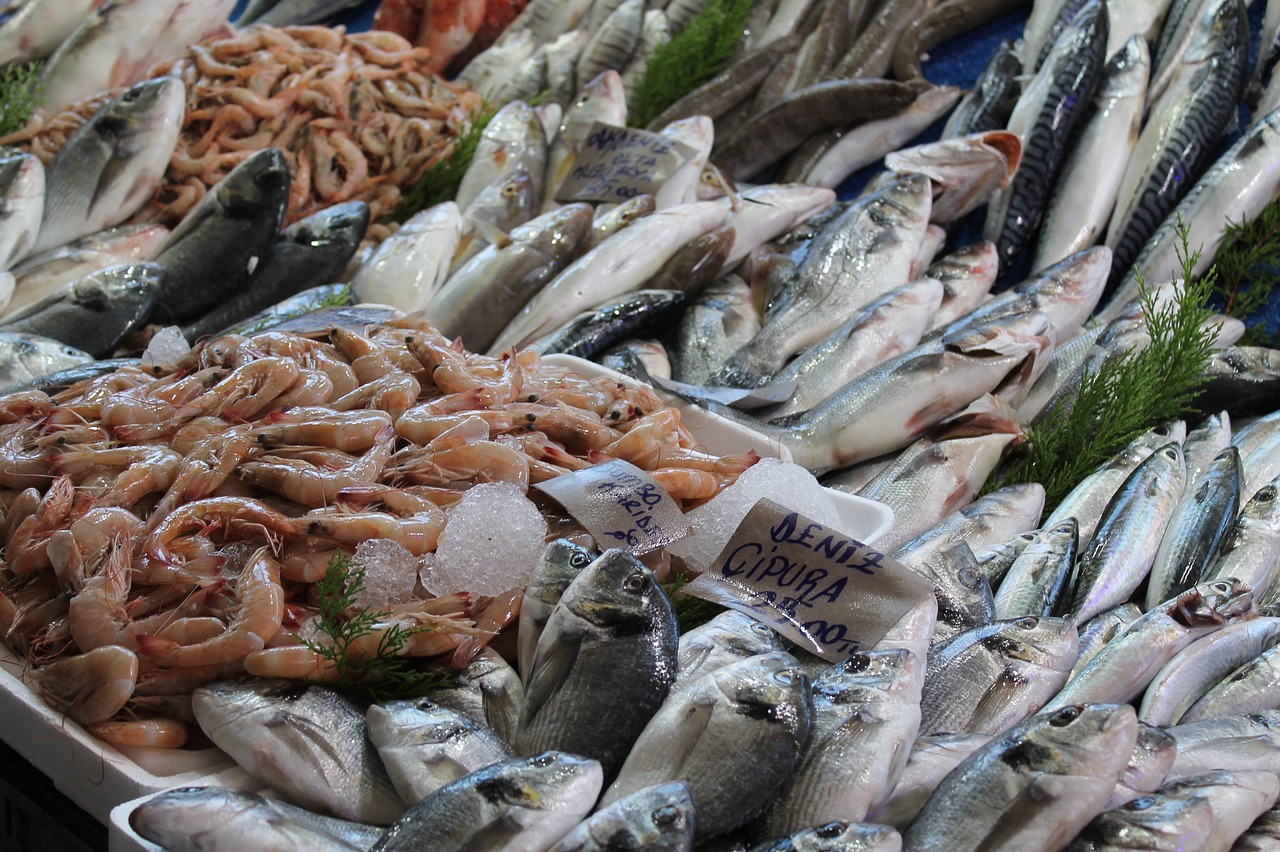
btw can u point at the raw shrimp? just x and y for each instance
(348, 431)
(236, 514)
(246, 392)
(500, 611)
(258, 612)
(24, 405)
(417, 533)
(144, 733)
(99, 614)
(91, 687)
(395, 394)
(685, 484)
(313, 486)
(21, 466)
(146, 469)
(27, 549)
(293, 661)
(80, 550)
(482, 461)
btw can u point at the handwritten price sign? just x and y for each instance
(618, 163)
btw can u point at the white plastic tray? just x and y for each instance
(93, 774)
(120, 834)
(866, 520)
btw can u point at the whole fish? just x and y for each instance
(489, 70)
(26, 358)
(1249, 551)
(607, 220)
(190, 818)
(1196, 529)
(615, 266)
(525, 803)
(636, 314)
(22, 199)
(293, 13)
(48, 272)
(1202, 665)
(1249, 741)
(932, 758)
(729, 637)
(1100, 630)
(1085, 193)
(1236, 799)
(107, 50)
(1148, 766)
(768, 211)
(736, 83)
(113, 164)
(312, 249)
(425, 746)
(312, 299)
(613, 42)
(837, 836)
(96, 312)
(1090, 498)
(1235, 189)
(696, 265)
(503, 279)
(714, 325)
(962, 592)
(546, 19)
(885, 327)
(1076, 752)
(872, 52)
(562, 72)
(513, 139)
(984, 523)
(939, 24)
(661, 818)
(603, 664)
(560, 563)
(490, 694)
(1178, 140)
(1159, 823)
(302, 739)
(990, 678)
(1035, 581)
(1248, 689)
(991, 101)
(651, 356)
(230, 230)
(499, 207)
(1044, 24)
(1127, 664)
(878, 237)
(37, 28)
(866, 712)
(734, 738)
(995, 561)
(1052, 106)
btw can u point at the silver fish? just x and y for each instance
(878, 237)
(1202, 665)
(525, 803)
(839, 835)
(489, 70)
(1251, 550)
(194, 818)
(305, 740)
(995, 561)
(26, 357)
(611, 45)
(729, 637)
(1035, 581)
(1204, 443)
(1079, 752)
(1250, 741)
(734, 739)
(425, 746)
(490, 694)
(561, 561)
(513, 139)
(1197, 528)
(984, 523)
(407, 268)
(1101, 629)
(1127, 664)
(965, 170)
(963, 594)
(497, 210)
(1248, 689)
(655, 31)
(1156, 823)
(718, 321)
(112, 165)
(546, 19)
(932, 758)
(601, 99)
(1236, 799)
(39, 26)
(22, 199)
(1121, 552)
(990, 678)
(1148, 766)
(1263, 835)
(613, 626)
(1127, 19)
(660, 818)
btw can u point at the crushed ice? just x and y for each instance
(390, 573)
(490, 544)
(166, 349)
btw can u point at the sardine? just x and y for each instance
(1100, 630)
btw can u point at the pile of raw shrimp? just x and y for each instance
(165, 528)
(358, 117)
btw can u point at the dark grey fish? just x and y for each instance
(589, 335)
(536, 799)
(837, 836)
(1050, 109)
(603, 664)
(964, 595)
(311, 250)
(660, 818)
(735, 84)
(696, 265)
(308, 300)
(1244, 380)
(215, 250)
(292, 13)
(993, 97)
(98, 311)
(561, 561)
(714, 325)
(253, 10)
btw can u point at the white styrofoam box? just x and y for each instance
(866, 520)
(95, 775)
(120, 834)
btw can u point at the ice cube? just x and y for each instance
(166, 349)
(390, 573)
(490, 544)
(782, 482)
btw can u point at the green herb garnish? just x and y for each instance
(20, 93)
(691, 612)
(382, 675)
(440, 182)
(1127, 394)
(339, 298)
(1248, 265)
(693, 56)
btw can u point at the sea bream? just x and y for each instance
(39, 26)
(113, 164)
(22, 191)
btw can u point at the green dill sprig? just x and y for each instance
(690, 612)
(21, 92)
(692, 57)
(1128, 394)
(382, 675)
(1248, 266)
(440, 182)
(339, 298)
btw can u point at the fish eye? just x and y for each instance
(969, 578)
(1223, 587)
(1141, 803)
(1171, 453)
(785, 677)
(858, 663)
(1028, 623)
(666, 815)
(1267, 494)
(1065, 716)
(544, 759)
(762, 629)
(509, 190)
(1161, 430)
(579, 560)
(634, 582)
(830, 830)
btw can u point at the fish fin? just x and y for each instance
(494, 835)
(996, 702)
(688, 732)
(501, 706)
(552, 663)
(491, 233)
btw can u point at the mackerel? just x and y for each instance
(1035, 581)
(994, 95)
(1251, 550)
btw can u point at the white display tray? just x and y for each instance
(120, 834)
(92, 773)
(866, 520)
